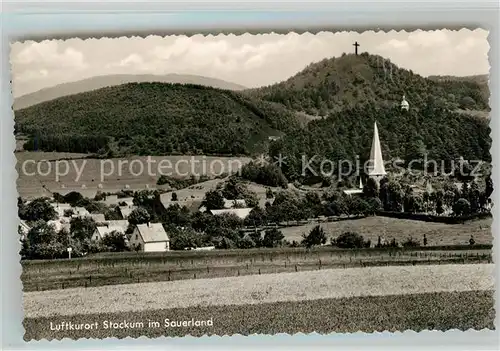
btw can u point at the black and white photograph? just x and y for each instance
(328, 182)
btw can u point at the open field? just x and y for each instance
(132, 267)
(426, 311)
(328, 283)
(113, 174)
(401, 229)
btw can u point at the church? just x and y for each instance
(375, 167)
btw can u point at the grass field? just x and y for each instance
(301, 286)
(127, 268)
(427, 311)
(402, 229)
(113, 174)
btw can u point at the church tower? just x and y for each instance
(376, 169)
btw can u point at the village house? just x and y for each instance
(122, 223)
(125, 211)
(60, 224)
(80, 212)
(98, 217)
(102, 231)
(150, 237)
(60, 208)
(23, 229)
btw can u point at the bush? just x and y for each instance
(272, 238)
(461, 207)
(316, 237)
(410, 242)
(350, 240)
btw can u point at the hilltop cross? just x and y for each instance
(356, 47)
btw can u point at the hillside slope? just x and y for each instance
(99, 82)
(433, 132)
(335, 84)
(154, 118)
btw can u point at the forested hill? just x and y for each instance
(154, 118)
(335, 84)
(408, 135)
(99, 82)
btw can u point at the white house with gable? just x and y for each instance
(150, 237)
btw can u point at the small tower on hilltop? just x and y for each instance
(405, 106)
(376, 168)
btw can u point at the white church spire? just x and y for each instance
(376, 167)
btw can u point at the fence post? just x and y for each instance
(208, 270)
(295, 268)
(259, 271)
(90, 279)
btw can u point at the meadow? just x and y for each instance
(132, 267)
(402, 229)
(436, 297)
(427, 311)
(113, 174)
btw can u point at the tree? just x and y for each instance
(461, 207)
(350, 240)
(174, 197)
(272, 238)
(439, 206)
(474, 197)
(315, 237)
(73, 198)
(374, 205)
(257, 217)
(391, 196)
(115, 242)
(175, 214)
(82, 228)
(467, 103)
(183, 238)
(370, 189)
(246, 243)
(41, 242)
(269, 193)
(38, 209)
(139, 216)
(213, 200)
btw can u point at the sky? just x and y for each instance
(249, 60)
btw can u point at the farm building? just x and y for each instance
(150, 237)
(101, 231)
(240, 212)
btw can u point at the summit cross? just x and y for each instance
(356, 47)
